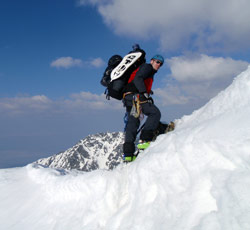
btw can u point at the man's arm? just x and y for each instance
(144, 72)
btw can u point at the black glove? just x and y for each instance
(145, 97)
(150, 100)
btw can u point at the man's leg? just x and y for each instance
(130, 136)
(153, 118)
(131, 129)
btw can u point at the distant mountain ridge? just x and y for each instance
(99, 151)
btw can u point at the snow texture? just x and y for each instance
(194, 178)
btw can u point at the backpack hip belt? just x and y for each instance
(125, 94)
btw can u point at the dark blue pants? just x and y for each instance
(153, 118)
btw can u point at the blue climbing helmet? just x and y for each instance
(158, 57)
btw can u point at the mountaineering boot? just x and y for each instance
(170, 127)
(128, 152)
(128, 159)
(143, 145)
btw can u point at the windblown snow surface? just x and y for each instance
(196, 177)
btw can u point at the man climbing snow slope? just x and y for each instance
(137, 100)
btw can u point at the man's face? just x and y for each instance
(156, 64)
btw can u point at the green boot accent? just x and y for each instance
(129, 159)
(143, 145)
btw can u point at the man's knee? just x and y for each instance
(157, 113)
(150, 109)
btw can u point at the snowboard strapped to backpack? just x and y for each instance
(119, 69)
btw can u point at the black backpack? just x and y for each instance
(118, 71)
(112, 63)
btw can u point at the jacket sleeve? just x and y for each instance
(145, 71)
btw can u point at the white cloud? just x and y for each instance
(17, 105)
(197, 78)
(91, 2)
(80, 103)
(204, 68)
(66, 62)
(205, 25)
(69, 62)
(87, 100)
(171, 95)
(97, 62)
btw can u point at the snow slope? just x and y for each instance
(196, 177)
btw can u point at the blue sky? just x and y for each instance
(53, 54)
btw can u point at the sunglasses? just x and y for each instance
(158, 62)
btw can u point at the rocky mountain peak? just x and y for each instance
(99, 151)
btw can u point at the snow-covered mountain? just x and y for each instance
(194, 178)
(99, 151)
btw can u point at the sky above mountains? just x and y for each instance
(53, 54)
